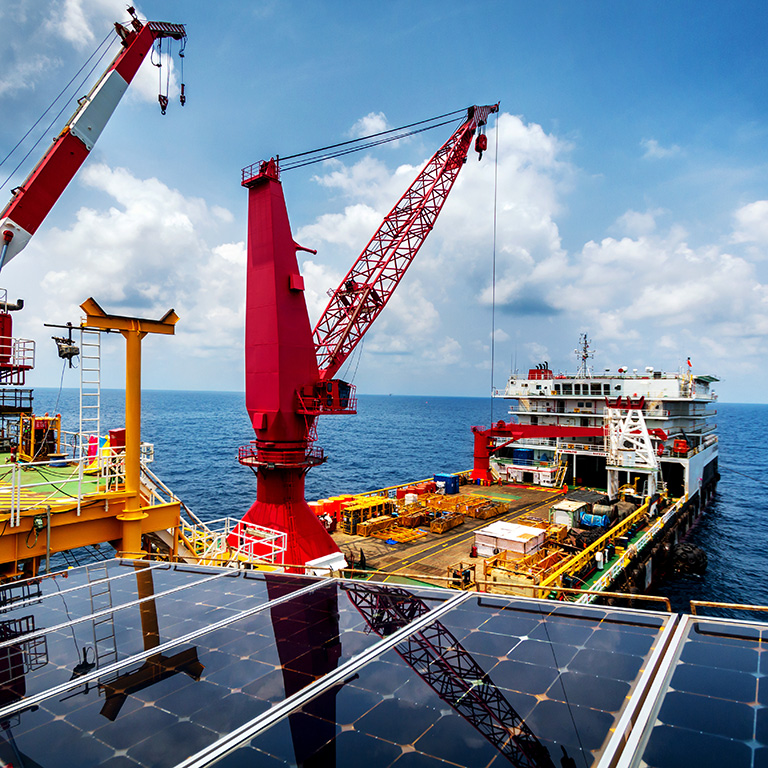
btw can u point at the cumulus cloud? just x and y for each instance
(149, 251)
(373, 122)
(25, 73)
(751, 222)
(655, 151)
(635, 223)
(438, 299)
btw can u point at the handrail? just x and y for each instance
(694, 604)
(601, 593)
(421, 577)
(581, 559)
(172, 496)
(383, 491)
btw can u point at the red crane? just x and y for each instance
(289, 369)
(34, 198)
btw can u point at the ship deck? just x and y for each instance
(38, 485)
(127, 663)
(433, 554)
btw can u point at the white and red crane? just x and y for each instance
(34, 198)
(290, 369)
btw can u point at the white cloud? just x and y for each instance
(752, 223)
(655, 151)
(635, 223)
(146, 253)
(25, 73)
(373, 122)
(537, 353)
(151, 80)
(82, 22)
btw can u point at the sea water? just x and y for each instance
(396, 439)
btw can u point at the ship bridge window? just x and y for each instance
(617, 387)
(595, 389)
(606, 389)
(567, 389)
(557, 389)
(577, 390)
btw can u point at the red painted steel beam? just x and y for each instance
(35, 197)
(484, 447)
(369, 284)
(279, 363)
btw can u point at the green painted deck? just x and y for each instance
(43, 485)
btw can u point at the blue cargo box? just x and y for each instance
(451, 482)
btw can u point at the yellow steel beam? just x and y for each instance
(95, 525)
(96, 317)
(134, 329)
(585, 555)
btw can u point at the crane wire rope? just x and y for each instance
(493, 271)
(493, 351)
(50, 106)
(332, 151)
(60, 112)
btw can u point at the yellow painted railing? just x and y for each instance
(578, 561)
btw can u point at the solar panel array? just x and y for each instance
(134, 664)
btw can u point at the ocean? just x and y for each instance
(396, 439)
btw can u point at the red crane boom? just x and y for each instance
(34, 198)
(369, 284)
(289, 369)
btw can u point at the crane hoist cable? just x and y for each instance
(493, 274)
(302, 159)
(66, 104)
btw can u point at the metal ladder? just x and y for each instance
(90, 398)
(104, 640)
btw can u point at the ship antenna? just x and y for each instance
(584, 353)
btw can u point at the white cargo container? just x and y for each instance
(518, 540)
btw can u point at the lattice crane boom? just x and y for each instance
(438, 657)
(369, 284)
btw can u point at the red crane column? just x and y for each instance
(279, 362)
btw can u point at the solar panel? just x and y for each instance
(128, 665)
(708, 706)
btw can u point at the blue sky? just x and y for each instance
(632, 194)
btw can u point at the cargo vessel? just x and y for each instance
(590, 485)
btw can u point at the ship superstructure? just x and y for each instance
(649, 429)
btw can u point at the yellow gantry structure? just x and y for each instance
(52, 508)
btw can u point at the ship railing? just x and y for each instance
(233, 541)
(587, 447)
(536, 463)
(391, 490)
(107, 468)
(576, 563)
(17, 353)
(705, 443)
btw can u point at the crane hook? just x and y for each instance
(481, 144)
